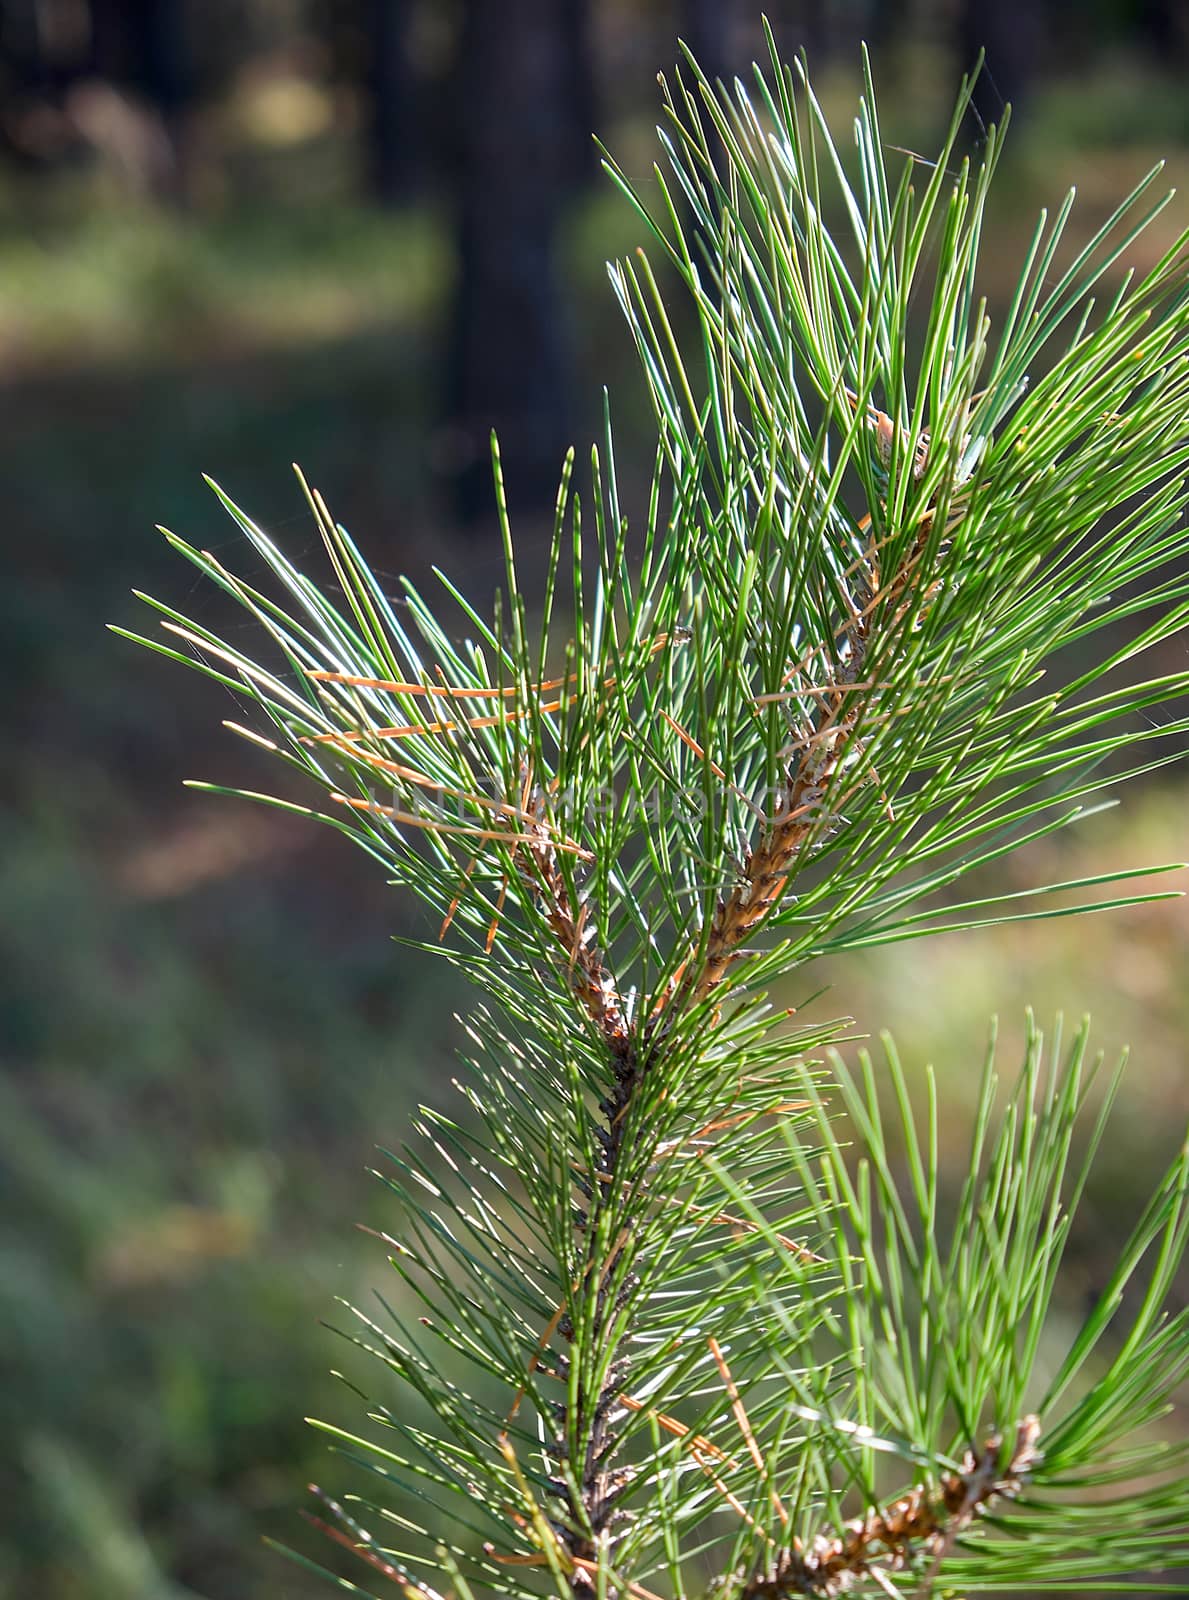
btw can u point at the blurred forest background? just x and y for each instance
(357, 233)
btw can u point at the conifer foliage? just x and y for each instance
(679, 1306)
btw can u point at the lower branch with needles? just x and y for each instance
(912, 1534)
(922, 1526)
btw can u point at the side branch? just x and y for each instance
(816, 757)
(590, 978)
(894, 602)
(920, 1525)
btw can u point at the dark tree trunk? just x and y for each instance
(520, 98)
(389, 83)
(1012, 33)
(802, 25)
(43, 52)
(707, 27)
(144, 46)
(1164, 28)
(890, 27)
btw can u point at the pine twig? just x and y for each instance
(921, 1523)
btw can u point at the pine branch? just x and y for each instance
(919, 1523)
(576, 936)
(657, 1316)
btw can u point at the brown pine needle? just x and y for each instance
(551, 1328)
(793, 1246)
(433, 825)
(502, 808)
(778, 1110)
(457, 901)
(451, 692)
(552, 1549)
(410, 730)
(576, 946)
(537, 1560)
(726, 1220)
(495, 921)
(360, 1543)
(733, 1501)
(699, 1445)
(446, 691)
(384, 1568)
(637, 1590)
(688, 738)
(554, 1322)
(822, 691)
(745, 1427)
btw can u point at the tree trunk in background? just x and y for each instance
(802, 25)
(27, 77)
(391, 135)
(1164, 28)
(707, 27)
(144, 45)
(523, 104)
(890, 27)
(1012, 32)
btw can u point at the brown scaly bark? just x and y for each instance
(814, 787)
(591, 1514)
(592, 982)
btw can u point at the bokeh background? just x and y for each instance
(357, 233)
